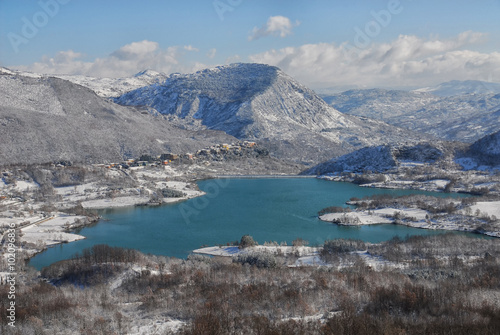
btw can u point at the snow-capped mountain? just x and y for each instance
(103, 87)
(114, 87)
(46, 119)
(465, 118)
(456, 87)
(260, 102)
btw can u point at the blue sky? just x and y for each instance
(357, 43)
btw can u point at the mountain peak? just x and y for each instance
(5, 71)
(148, 73)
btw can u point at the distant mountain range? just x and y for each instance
(103, 87)
(461, 115)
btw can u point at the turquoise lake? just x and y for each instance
(280, 209)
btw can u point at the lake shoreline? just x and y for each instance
(305, 218)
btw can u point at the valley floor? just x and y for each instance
(46, 212)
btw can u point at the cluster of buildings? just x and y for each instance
(168, 158)
(225, 148)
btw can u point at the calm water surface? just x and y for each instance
(268, 209)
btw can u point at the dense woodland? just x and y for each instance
(442, 284)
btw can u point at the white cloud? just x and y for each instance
(136, 49)
(191, 48)
(126, 61)
(276, 25)
(405, 62)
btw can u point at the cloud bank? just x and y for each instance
(408, 61)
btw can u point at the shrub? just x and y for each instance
(342, 246)
(170, 193)
(333, 209)
(246, 241)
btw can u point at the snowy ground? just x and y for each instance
(52, 230)
(377, 216)
(355, 218)
(230, 251)
(301, 256)
(41, 227)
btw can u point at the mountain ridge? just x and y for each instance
(49, 119)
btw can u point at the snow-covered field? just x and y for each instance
(116, 202)
(489, 208)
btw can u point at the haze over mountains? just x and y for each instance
(456, 87)
(47, 119)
